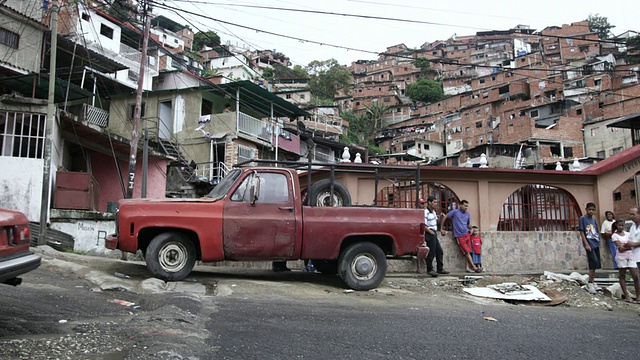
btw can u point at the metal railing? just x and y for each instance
(95, 115)
(254, 127)
(212, 172)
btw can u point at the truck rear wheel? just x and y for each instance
(170, 256)
(362, 266)
(320, 194)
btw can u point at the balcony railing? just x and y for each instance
(95, 115)
(254, 127)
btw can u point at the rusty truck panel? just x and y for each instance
(325, 228)
(203, 217)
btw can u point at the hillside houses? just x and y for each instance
(543, 96)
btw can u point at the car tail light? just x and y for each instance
(20, 235)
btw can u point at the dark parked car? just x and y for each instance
(15, 256)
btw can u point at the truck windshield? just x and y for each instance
(223, 186)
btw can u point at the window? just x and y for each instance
(9, 38)
(132, 109)
(595, 131)
(274, 189)
(539, 208)
(22, 134)
(597, 82)
(616, 150)
(106, 31)
(481, 81)
(467, 129)
(617, 196)
(288, 96)
(600, 154)
(568, 152)
(302, 96)
(579, 112)
(244, 153)
(478, 124)
(632, 193)
(534, 114)
(86, 17)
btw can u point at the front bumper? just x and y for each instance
(111, 242)
(12, 268)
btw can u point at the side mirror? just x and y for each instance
(254, 190)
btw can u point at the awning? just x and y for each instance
(258, 99)
(626, 122)
(38, 85)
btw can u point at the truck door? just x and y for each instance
(266, 229)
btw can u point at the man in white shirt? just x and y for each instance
(431, 237)
(634, 235)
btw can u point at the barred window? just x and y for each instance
(22, 134)
(244, 153)
(539, 208)
(9, 38)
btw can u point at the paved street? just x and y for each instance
(65, 310)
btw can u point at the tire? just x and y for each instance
(362, 266)
(326, 267)
(170, 256)
(320, 194)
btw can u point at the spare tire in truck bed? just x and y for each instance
(320, 194)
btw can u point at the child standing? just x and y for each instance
(625, 261)
(476, 248)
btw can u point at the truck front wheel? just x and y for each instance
(170, 256)
(362, 266)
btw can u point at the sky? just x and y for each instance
(305, 37)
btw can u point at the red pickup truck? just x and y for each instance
(257, 214)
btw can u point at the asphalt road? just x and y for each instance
(261, 315)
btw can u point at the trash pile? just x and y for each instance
(550, 289)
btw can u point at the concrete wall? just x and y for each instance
(518, 251)
(89, 234)
(28, 55)
(21, 185)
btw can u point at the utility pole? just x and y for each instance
(51, 114)
(133, 152)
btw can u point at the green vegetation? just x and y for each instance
(425, 90)
(327, 77)
(600, 24)
(205, 38)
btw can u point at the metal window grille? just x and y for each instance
(9, 38)
(22, 134)
(244, 153)
(95, 115)
(403, 195)
(539, 208)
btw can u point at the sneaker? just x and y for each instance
(591, 288)
(432, 273)
(443, 272)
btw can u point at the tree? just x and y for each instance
(327, 77)
(123, 10)
(633, 50)
(425, 90)
(205, 38)
(375, 112)
(600, 24)
(423, 64)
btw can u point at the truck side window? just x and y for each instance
(274, 189)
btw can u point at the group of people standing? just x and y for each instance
(624, 247)
(467, 236)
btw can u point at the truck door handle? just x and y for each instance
(290, 208)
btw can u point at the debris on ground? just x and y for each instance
(509, 292)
